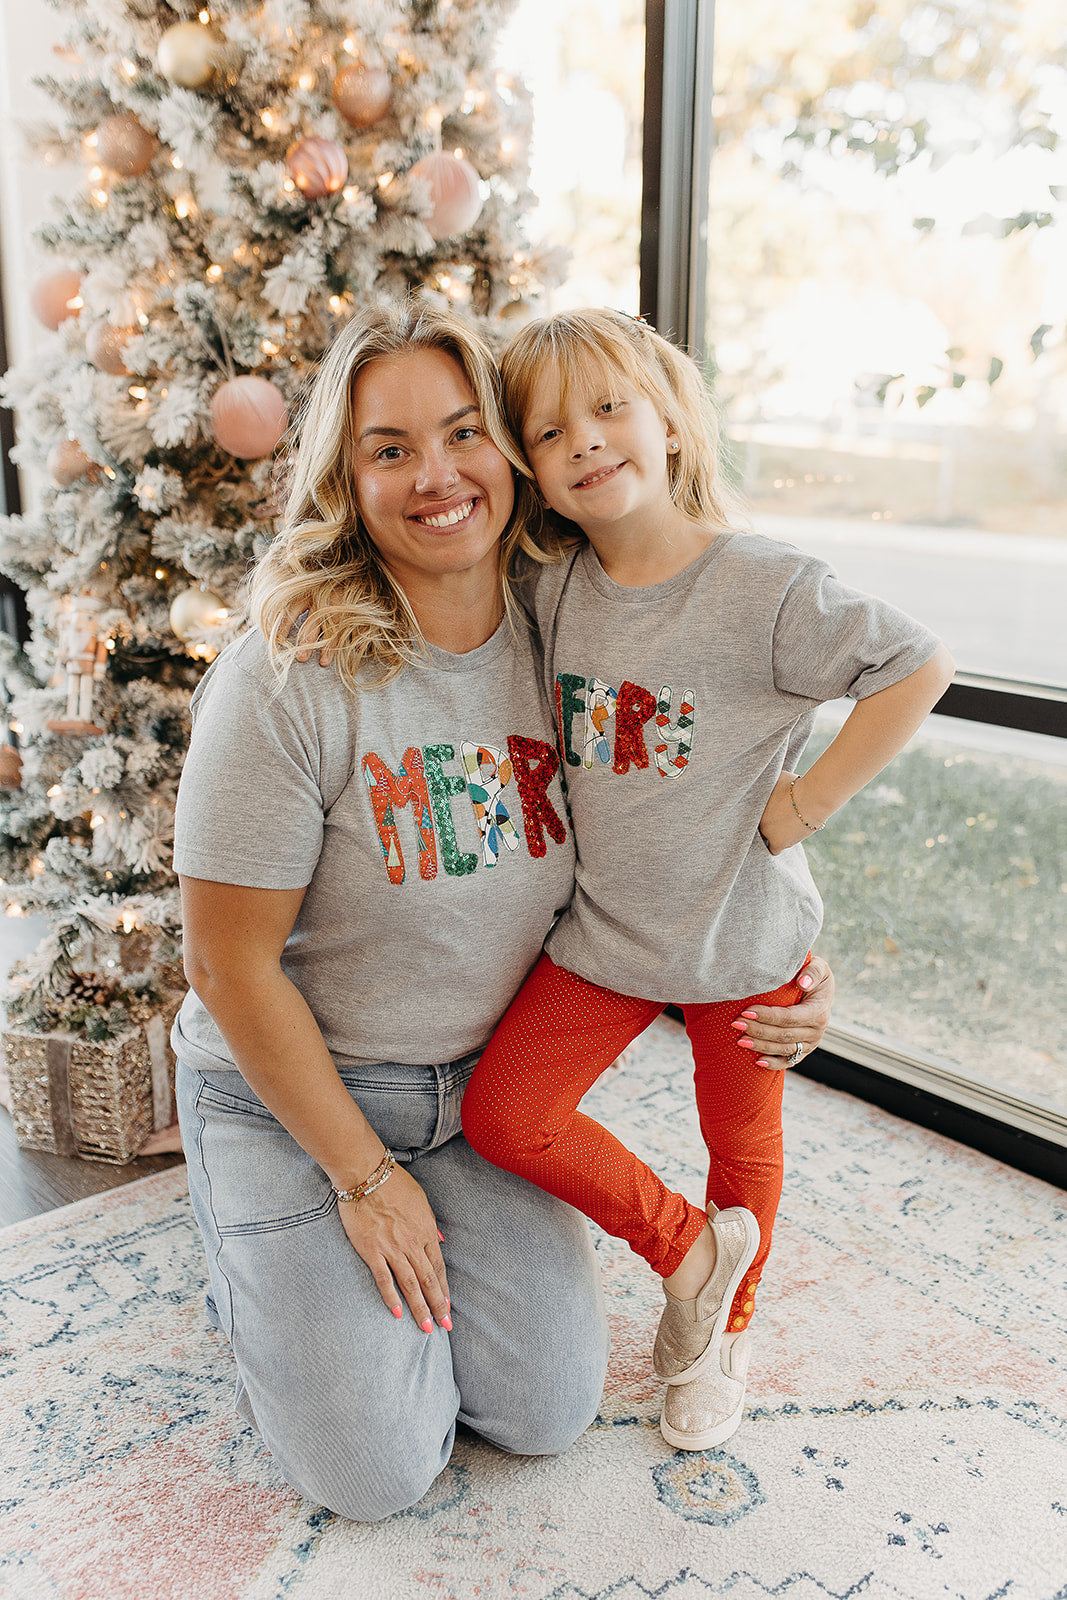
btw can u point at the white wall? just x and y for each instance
(29, 30)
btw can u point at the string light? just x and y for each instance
(177, 163)
(386, 179)
(160, 574)
(269, 348)
(306, 80)
(336, 302)
(267, 118)
(140, 393)
(15, 911)
(214, 272)
(351, 194)
(96, 174)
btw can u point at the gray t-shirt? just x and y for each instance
(678, 706)
(424, 816)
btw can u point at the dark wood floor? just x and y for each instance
(32, 1181)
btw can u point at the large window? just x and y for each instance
(885, 306)
(583, 64)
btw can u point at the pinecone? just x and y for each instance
(90, 989)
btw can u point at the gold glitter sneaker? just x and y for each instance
(704, 1413)
(690, 1331)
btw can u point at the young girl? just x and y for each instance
(687, 661)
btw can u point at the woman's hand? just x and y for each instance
(779, 825)
(395, 1233)
(775, 1031)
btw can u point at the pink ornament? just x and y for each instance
(455, 197)
(124, 146)
(248, 417)
(56, 297)
(317, 166)
(67, 462)
(362, 94)
(104, 346)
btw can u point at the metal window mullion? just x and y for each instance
(678, 135)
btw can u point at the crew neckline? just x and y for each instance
(625, 594)
(473, 660)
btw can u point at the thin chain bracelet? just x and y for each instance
(368, 1186)
(812, 827)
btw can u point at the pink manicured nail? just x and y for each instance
(805, 982)
(397, 1311)
(740, 1026)
(427, 1326)
(746, 1044)
(751, 1015)
(441, 1236)
(446, 1323)
(761, 1061)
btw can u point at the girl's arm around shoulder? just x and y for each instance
(877, 729)
(233, 942)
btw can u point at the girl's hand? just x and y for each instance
(395, 1233)
(779, 824)
(775, 1031)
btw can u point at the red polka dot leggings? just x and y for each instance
(520, 1112)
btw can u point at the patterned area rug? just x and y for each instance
(906, 1437)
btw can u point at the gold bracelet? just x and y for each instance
(368, 1186)
(812, 827)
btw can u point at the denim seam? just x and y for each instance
(276, 1224)
(211, 1209)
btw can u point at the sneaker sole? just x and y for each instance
(718, 1327)
(710, 1436)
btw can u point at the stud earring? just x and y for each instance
(675, 444)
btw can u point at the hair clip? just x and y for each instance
(643, 320)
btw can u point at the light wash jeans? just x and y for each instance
(358, 1409)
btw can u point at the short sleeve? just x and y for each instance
(830, 640)
(250, 810)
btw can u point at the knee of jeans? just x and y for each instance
(549, 1435)
(367, 1489)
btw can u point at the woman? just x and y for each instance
(370, 859)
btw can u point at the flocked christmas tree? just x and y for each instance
(255, 170)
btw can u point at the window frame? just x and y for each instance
(678, 137)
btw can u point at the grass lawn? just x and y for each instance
(946, 910)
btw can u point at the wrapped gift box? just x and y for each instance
(100, 1101)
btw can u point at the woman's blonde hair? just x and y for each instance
(594, 346)
(323, 557)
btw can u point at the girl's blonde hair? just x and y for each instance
(592, 346)
(323, 557)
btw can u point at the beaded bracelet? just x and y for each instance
(812, 827)
(368, 1186)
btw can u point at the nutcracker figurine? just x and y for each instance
(82, 657)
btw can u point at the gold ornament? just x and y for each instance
(104, 346)
(362, 94)
(317, 166)
(67, 462)
(197, 611)
(124, 147)
(188, 55)
(56, 296)
(455, 197)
